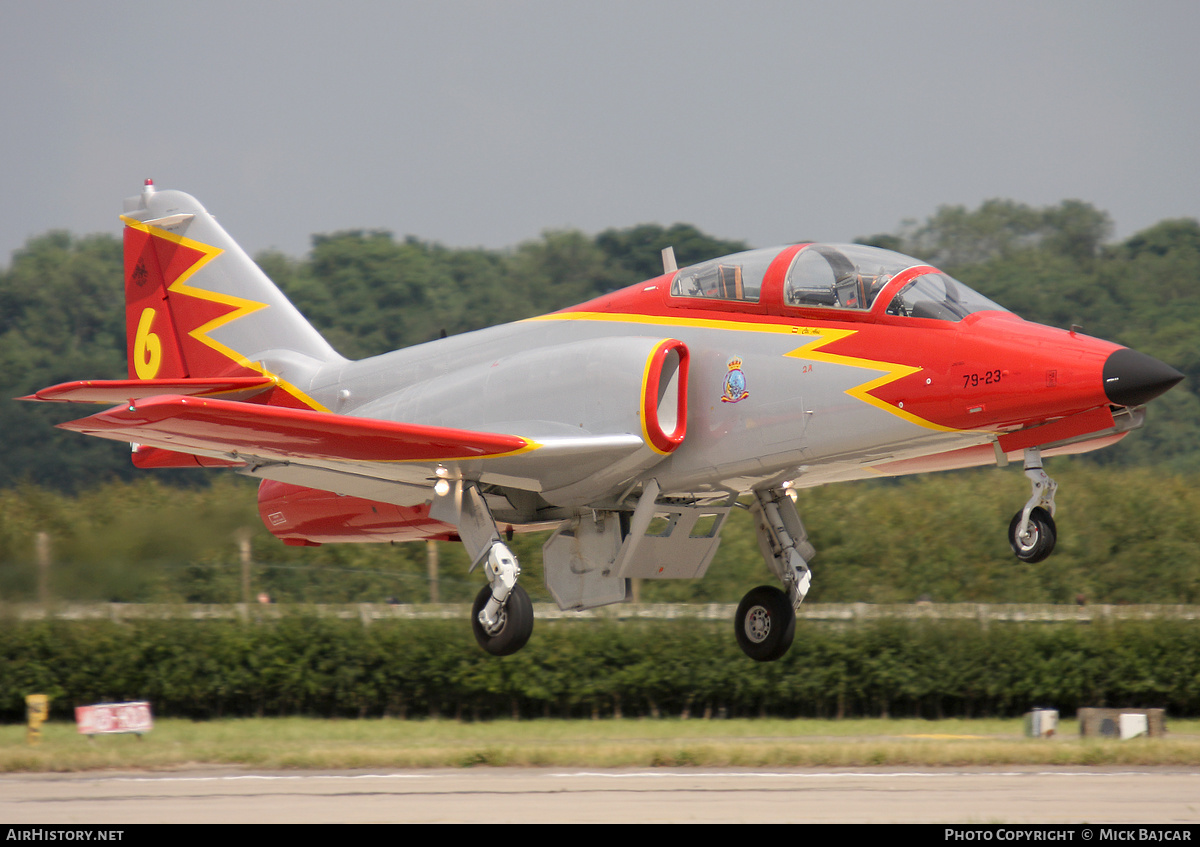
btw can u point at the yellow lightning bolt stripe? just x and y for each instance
(892, 372)
(657, 320)
(240, 307)
(822, 336)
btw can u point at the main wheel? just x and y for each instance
(515, 623)
(1039, 541)
(765, 623)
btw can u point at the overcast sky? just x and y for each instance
(485, 123)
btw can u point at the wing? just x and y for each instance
(229, 429)
(352, 455)
(120, 390)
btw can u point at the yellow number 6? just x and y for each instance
(147, 348)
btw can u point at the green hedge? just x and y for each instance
(303, 665)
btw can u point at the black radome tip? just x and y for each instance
(1132, 378)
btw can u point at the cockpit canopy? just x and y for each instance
(736, 277)
(835, 276)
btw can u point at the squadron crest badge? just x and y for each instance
(735, 382)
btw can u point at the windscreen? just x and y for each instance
(941, 297)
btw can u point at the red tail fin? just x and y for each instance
(154, 260)
(197, 307)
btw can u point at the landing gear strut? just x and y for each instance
(502, 615)
(766, 618)
(1032, 532)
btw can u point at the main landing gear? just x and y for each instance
(765, 624)
(502, 626)
(502, 614)
(1032, 532)
(766, 618)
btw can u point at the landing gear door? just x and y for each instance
(580, 562)
(590, 560)
(679, 542)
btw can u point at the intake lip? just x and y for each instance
(1132, 378)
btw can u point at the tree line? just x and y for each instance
(1126, 535)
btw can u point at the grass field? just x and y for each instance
(298, 743)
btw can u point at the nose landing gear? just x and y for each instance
(1032, 532)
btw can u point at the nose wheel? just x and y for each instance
(1032, 532)
(765, 624)
(1038, 540)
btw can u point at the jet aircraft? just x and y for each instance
(631, 424)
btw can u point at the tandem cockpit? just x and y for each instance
(847, 277)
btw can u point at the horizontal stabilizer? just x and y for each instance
(231, 430)
(122, 390)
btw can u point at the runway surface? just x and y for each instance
(550, 795)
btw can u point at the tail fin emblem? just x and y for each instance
(140, 275)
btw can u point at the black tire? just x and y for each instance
(516, 622)
(1043, 535)
(765, 623)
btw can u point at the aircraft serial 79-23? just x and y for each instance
(631, 424)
